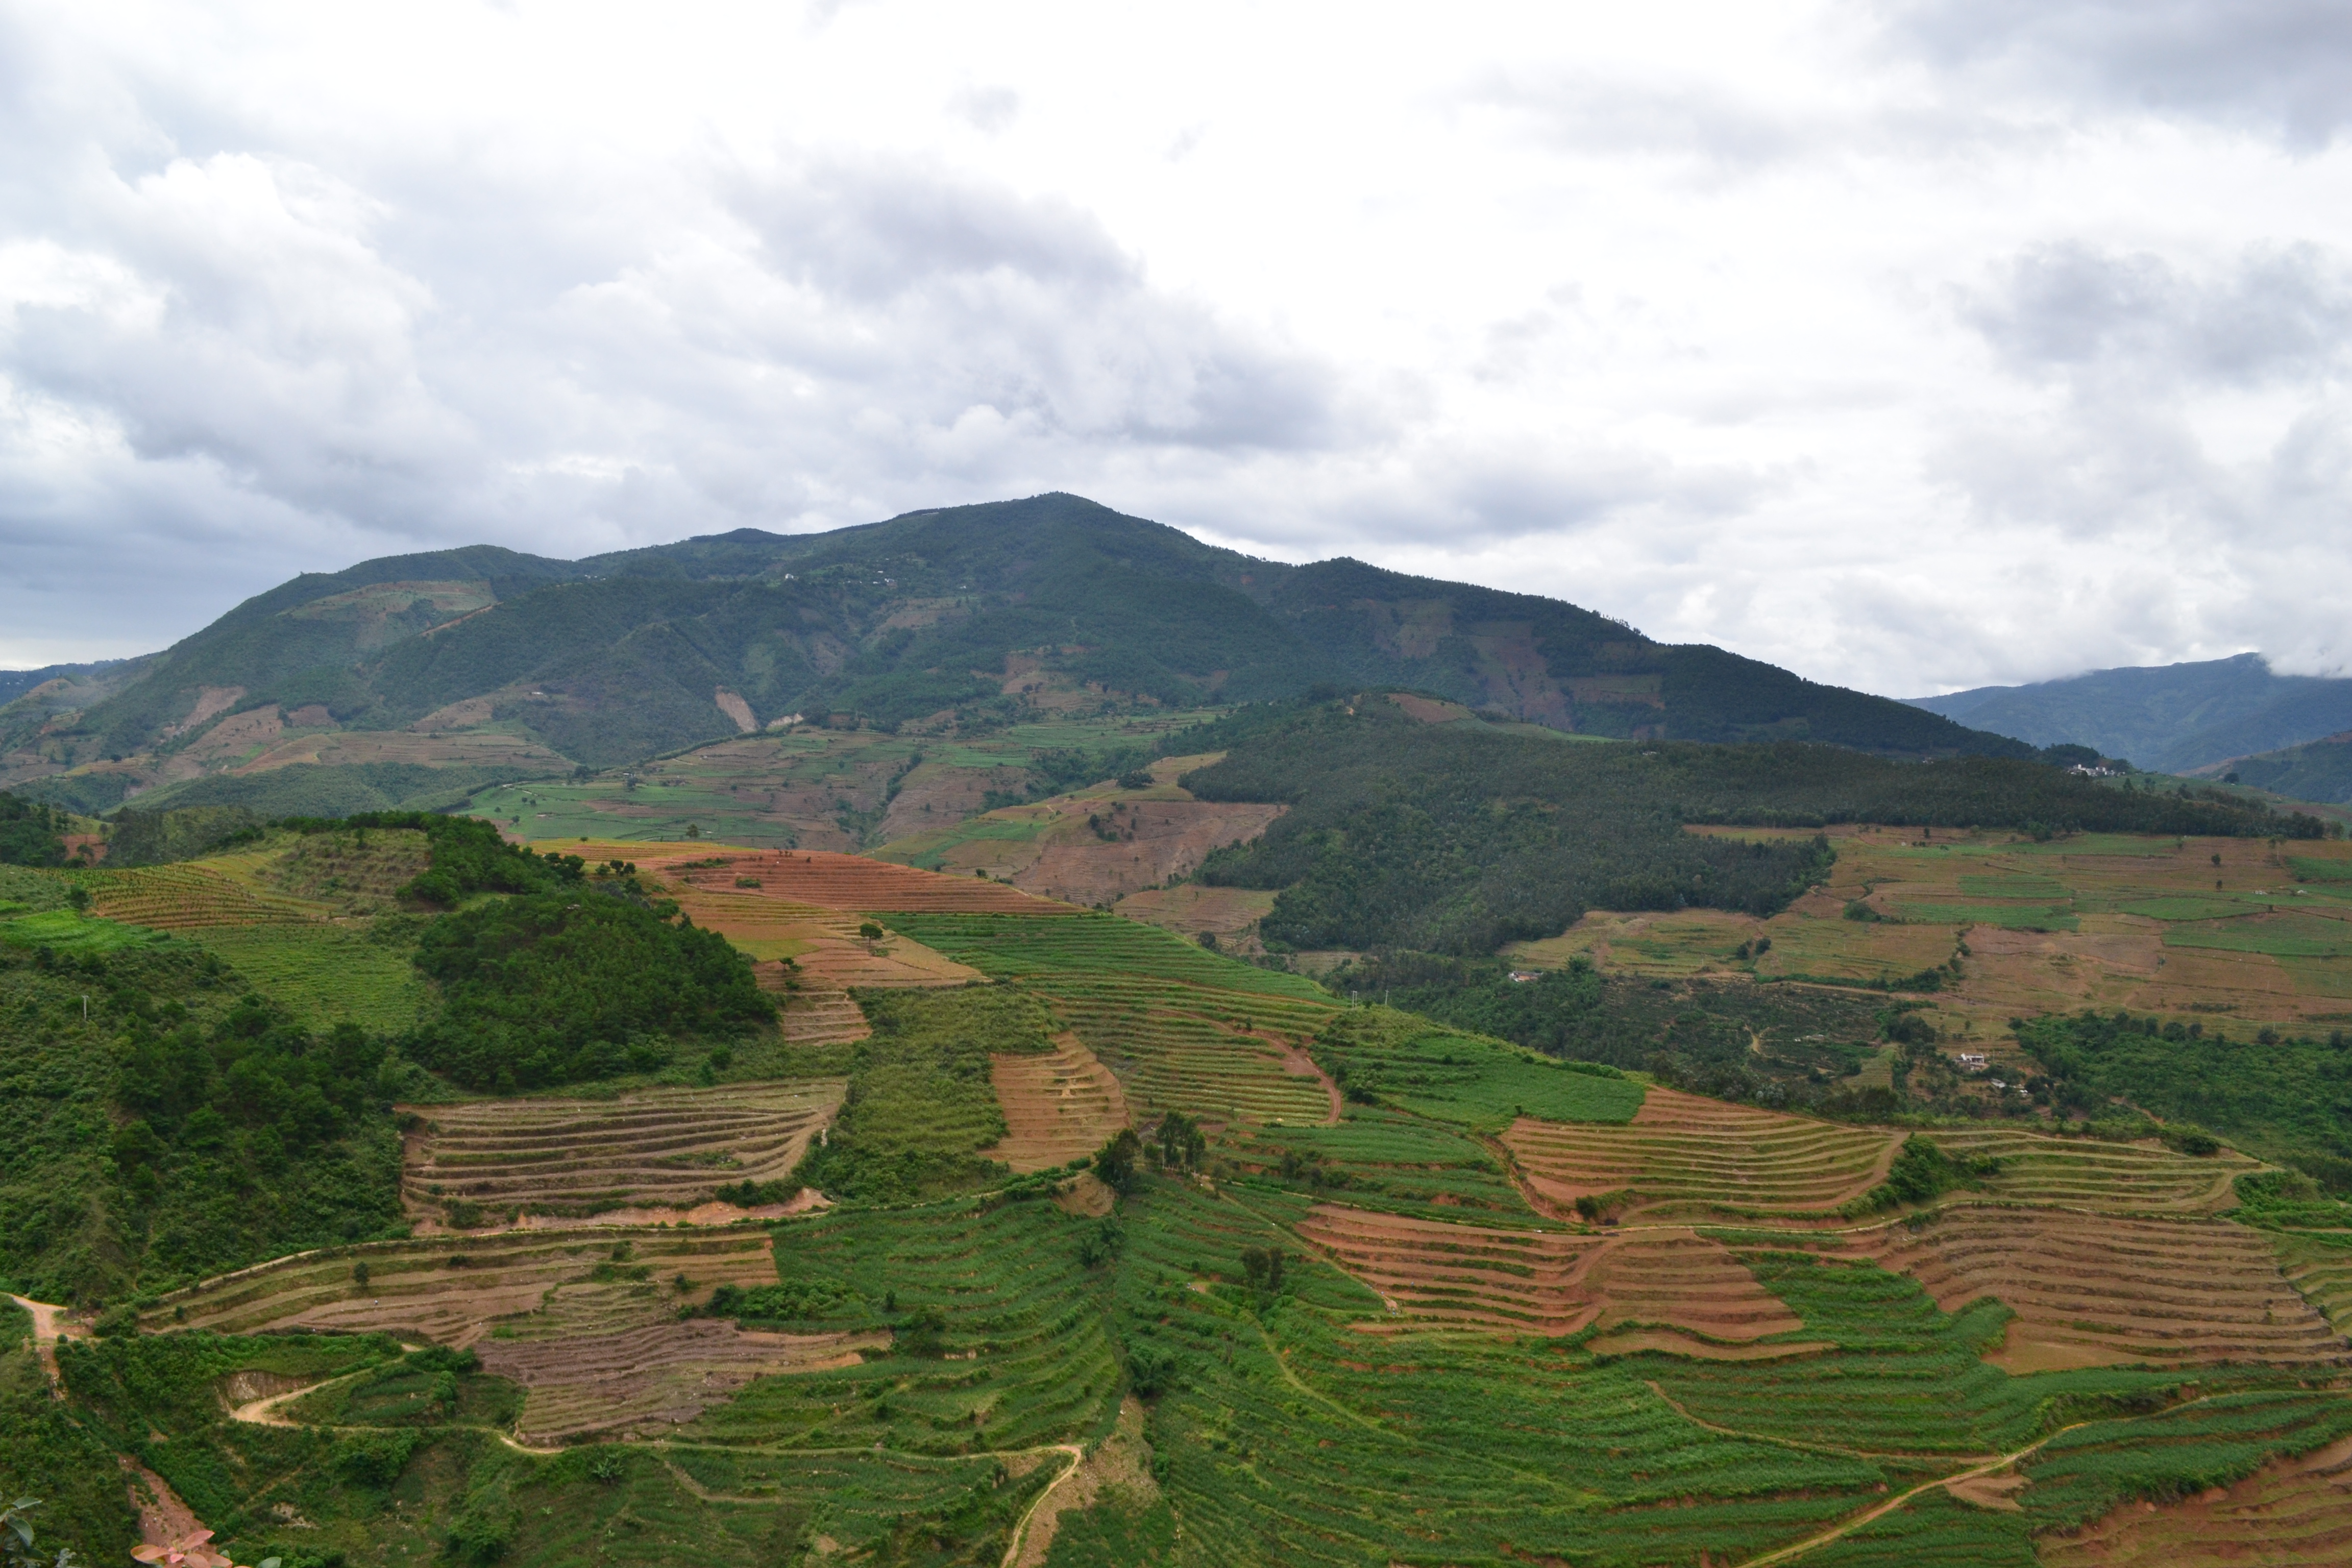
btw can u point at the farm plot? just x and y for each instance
(1058, 1108)
(1098, 945)
(1177, 1047)
(853, 884)
(1549, 1282)
(2081, 1173)
(2093, 1291)
(1684, 1156)
(413, 1288)
(2320, 1267)
(649, 1148)
(324, 974)
(2289, 1512)
(1018, 1355)
(640, 1379)
(812, 1016)
(192, 896)
(1383, 1158)
(826, 946)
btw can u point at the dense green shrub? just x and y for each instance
(29, 834)
(558, 987)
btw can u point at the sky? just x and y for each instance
(1912, 345)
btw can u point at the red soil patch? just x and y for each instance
(1158, 841)
(850, 883)
(813, 1015)
(87, 847)
(825, 945)
(662, 1372)
(1058, 1107)
(1549, 1282)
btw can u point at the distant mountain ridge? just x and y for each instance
(983, 610)
(2169, 718)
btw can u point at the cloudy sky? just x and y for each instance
(1913, 345)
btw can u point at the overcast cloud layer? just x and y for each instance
(1913, 345)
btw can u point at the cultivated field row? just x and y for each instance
(2288, 1514)
(656, 1147)
(415, 1290)
(1549, 1282)
(1058, 1107)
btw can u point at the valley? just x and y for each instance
(1013, 1037)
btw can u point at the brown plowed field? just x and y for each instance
(659, 1147)
(823, 944)
(1549, 1282)
(2290, 1512)
(1058, 1108)
(851, 883)
(1161, 840)
(2095, 1289)
(661, 1373)
(1682, 1152)
(415, 1292)
(2321, 1268)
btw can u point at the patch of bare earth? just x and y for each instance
(660, 1373)
(651, 1149)
(1118, 1473)
(1059, 1106)
(853, 884)
(1152, 842)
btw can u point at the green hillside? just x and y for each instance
(486, 660)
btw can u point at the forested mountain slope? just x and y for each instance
(978, 611)
(2171, 718)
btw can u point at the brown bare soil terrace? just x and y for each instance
(1058, 1107)
(1549, 1282)
(413, 1288)
(193, 897)
(2097, 1289)
(659, 1373)
(660, 1147)
(2288, 1513)
(1682, 1154)
(852, 882)
(825, 945)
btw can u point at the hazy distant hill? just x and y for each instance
(2171, 716)
(983, 611)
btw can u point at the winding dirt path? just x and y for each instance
(1298, 1064)
(48, 1327)
(1020, 1528)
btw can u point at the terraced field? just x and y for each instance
(2320, 1267)
(2289, 1513)
(640, 1379)
(812, 1016)
(1547, 1281)
(1684, 1156)
(853, 884)
(415, 1291)
(661, 1148)
(1058, 1108)
(826, 946)
(2100, 1290)
(2083, 1173)
(2188, 928)
(192, 896)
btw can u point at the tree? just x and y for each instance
(1115, 1162)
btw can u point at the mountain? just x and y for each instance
(2318, 770)
(2171, 718)
(485, 658)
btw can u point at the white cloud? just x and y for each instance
(1911, 346)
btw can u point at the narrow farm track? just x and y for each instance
(48, 1327)
(1077, 1456)
(654, 1147)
